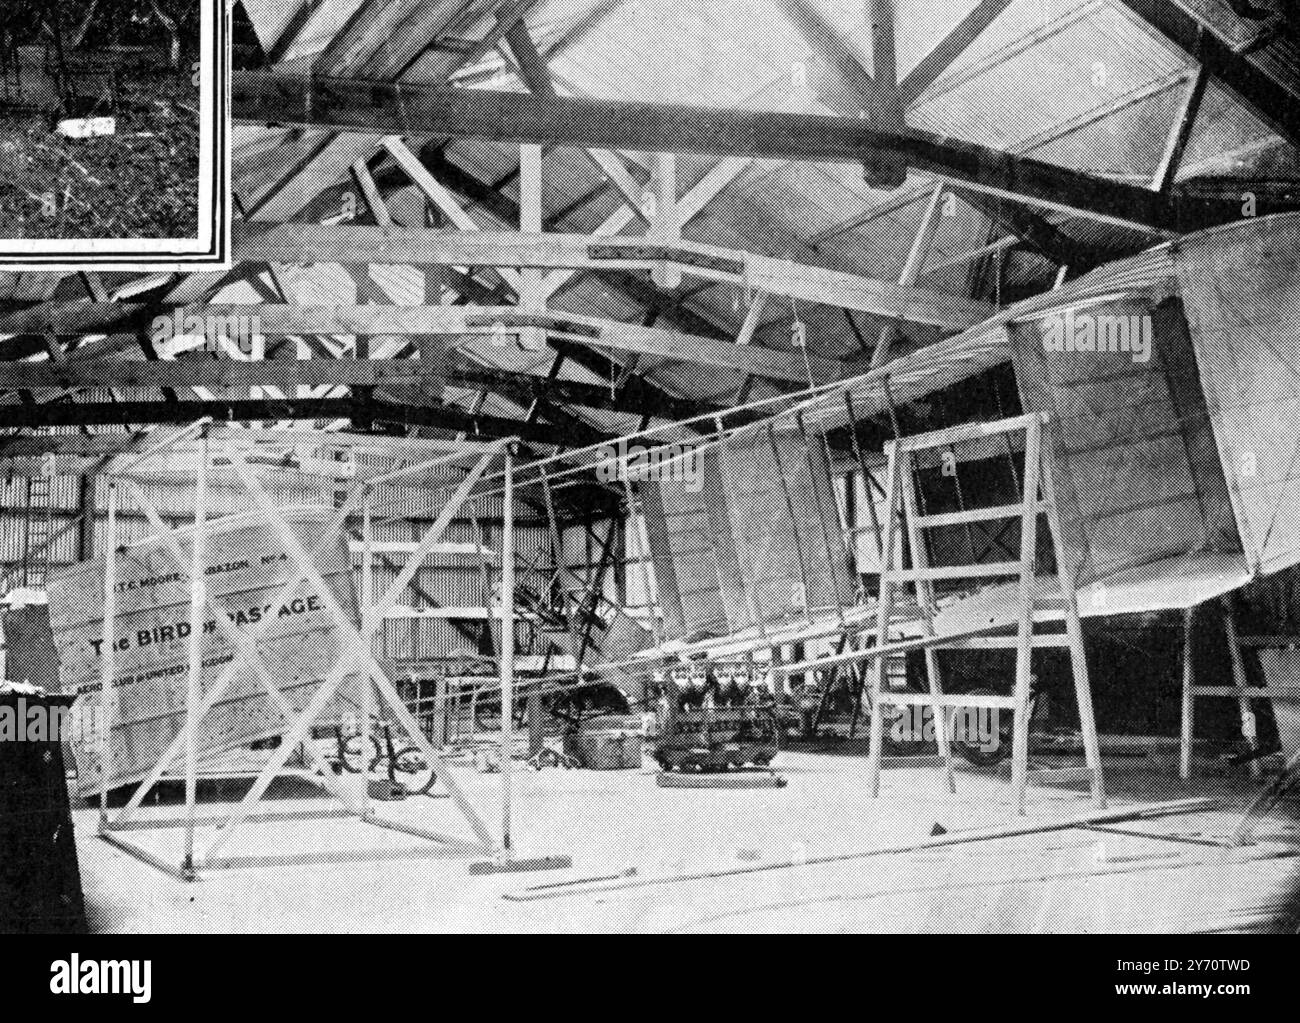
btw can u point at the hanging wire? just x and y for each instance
(961, 499)
(794, 518)
(912, 462)
(1006, 437)
(800, 330)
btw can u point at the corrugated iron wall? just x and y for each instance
(402, 514)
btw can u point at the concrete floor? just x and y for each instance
(612, 822)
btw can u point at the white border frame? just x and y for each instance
(211, 248)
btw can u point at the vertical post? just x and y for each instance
(577, 644)
(86, 511)
(107, 669)
(884, 611)
(794, 523)
(867, 483)
(663, 225)
(884, 68)
(364, 679)
(1025, 628)
(911, 268)
(1162, 180)
(484, 572)
(1189, 699)
(730, 504)
(1248, 729)
(925, 599)
(530, 181)
(841, 513)
(440, 712)
(1068, 581)
(536, 734)
(532, 295)
(636, 518)
(507, 641)
(198, 603)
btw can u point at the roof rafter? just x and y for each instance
(292, 30)
(952, 46)
(382, 38)
(1274, 102)
(634, 287)
(506, 210)
(828, 44)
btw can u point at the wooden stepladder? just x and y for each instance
(1241, 690)
(1034, 605)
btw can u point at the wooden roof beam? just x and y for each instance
(364, 243)
(874, 97)
(289, 374)
(78, 318)
(1035, 230)
(119, 413)
(391, 108)
(505, 209)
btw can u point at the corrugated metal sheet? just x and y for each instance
(403, 510)
(270, 17)
(971, 100)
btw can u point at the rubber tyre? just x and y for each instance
(973, 754)
(412, 768)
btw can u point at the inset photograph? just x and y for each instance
(111, 133)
